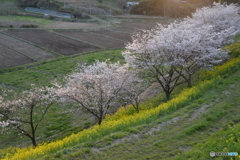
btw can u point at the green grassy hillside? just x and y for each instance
(199, 120)
(209, 123)
(194, 122)
(63, 122)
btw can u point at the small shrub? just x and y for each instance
(29, 26)
(66, 10)
(79, 14)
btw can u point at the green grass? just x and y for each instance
(62, 124)
(46, 72)
(32, 20)
(237, 38)
(222, 109)
(4, 1)
(186, 138)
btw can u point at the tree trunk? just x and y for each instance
(167, 95)
(34, 143)
(33, 137)
(99, 121)
(189, 81)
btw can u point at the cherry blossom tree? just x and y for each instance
(133, 90)
(142, 55)
(173, 53)
(190, 48)
(25, 112)
(96, 87)
(206, 31)
(221, 16)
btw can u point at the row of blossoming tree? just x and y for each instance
(173, 53)
(170, 54)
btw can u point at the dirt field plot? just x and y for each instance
(125, 30)
(116, 35)
(94, 39)
(138, 25)
(10, 58)
(32, 51)
(71, 25)
(53, 42)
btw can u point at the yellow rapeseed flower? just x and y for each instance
(122, 118)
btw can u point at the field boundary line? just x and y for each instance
(19, 52)
(30, 65)
(26, 29)
(62, 35)
(105, 36)
(35, 45)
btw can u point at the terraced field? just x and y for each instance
(25, 46)
(11, 58)
(115, 35)
(53, 42)
(138, 25)
(99, 40)
(125, 30)
(30, 50)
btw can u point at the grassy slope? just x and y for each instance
(63, 122)
(171, 134)
(190, 132)
(162, 144)
(42, 74)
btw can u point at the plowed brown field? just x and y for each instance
(94, 39)
(11, 58)
(26, 48)
(53, 42)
